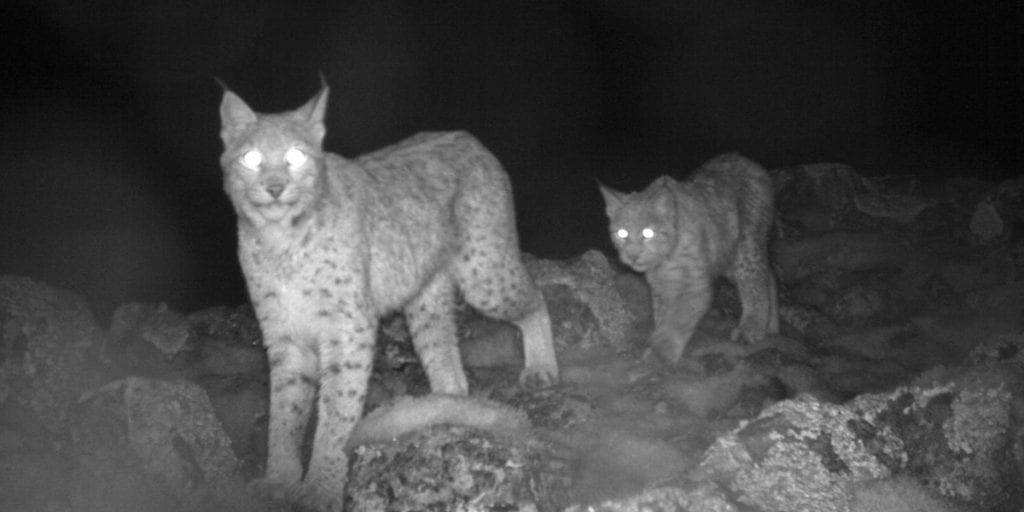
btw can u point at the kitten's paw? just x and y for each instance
(653, 359)
(538, 377)
(315, 498)
(657, 362)
(298, 496)
(748, 331)
(668, 348)
(270, 490)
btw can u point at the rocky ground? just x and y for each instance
(897, 384)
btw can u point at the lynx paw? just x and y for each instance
(658, 363)
(748, 331)
(654, 360)
(538, 377)
(668, 348)
(269, 490)
(298, 496)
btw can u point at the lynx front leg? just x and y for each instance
(773, 301)
(345, 364)
(681, 308)
(293, 381)
(758, 298)
(432, 326)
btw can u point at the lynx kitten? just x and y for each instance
(682, 235)
(328, 245)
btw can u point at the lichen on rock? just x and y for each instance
(449, 467)
(798, 455)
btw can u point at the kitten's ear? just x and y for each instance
(235, 115)
(314, 112)
(664, 199)
(663, 181)
(612, 199)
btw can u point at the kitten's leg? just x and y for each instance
(431, 321)
(346, 359)
(293, 379)
(682, 306)
(756, 286)
(497, 284)
(657, 307)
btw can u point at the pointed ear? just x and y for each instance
(664, 199)
(314, 112)
(612, 199)
(235, 115)
(662, 181)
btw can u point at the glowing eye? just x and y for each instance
(252, 159)
(647, 233)
(622, 233)
(295, 157)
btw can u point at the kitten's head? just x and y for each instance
(273, 163)
(642, 224)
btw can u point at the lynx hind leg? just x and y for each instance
(494, 281)
(758, 297)
(541, 367)
(432, 325)
(489, 270)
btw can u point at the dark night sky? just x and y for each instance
(108, 132)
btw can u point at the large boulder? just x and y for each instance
(585, 303)
(47, 338)
(954, 433)
(153, 444)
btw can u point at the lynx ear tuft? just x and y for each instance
(235, 115)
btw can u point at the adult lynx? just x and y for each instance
(682, 235)
(328, 245)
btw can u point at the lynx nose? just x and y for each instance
(633, 253)
(275, 189)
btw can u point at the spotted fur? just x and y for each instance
(329, 245)
(682, 235)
